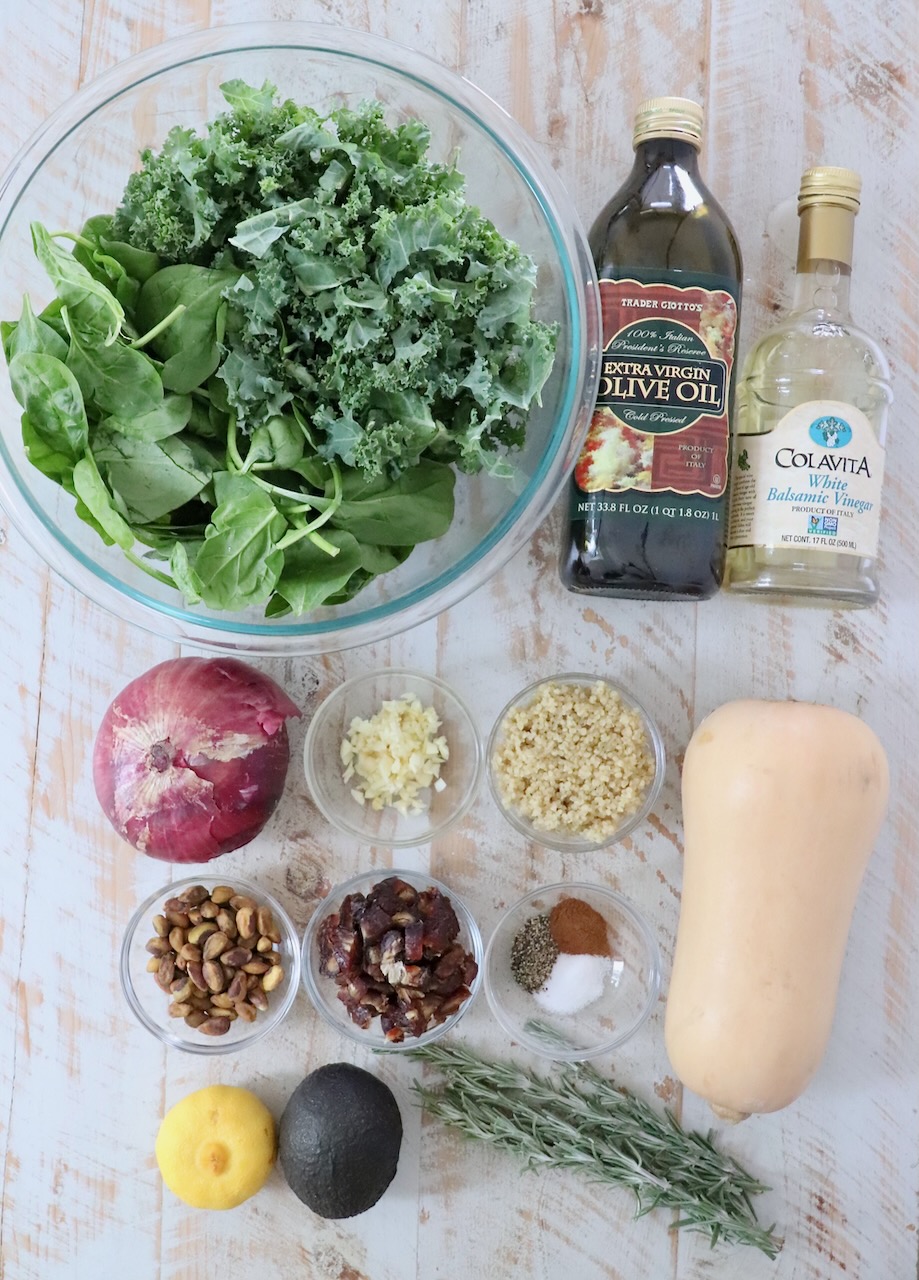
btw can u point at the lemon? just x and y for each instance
(216, 1147)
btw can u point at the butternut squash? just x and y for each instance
(782, 803)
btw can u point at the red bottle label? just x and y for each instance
(661, 421)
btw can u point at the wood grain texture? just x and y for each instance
(83, 1087)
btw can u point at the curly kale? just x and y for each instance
(370, 299)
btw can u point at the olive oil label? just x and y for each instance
(814, 482)
(661, 421)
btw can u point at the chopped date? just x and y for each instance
(440, 923)
(450, 962)
(392, 944)
(374, 923)
(394, 955)
(414, 941)
(339, 948)
(351, 910)
(392, 894)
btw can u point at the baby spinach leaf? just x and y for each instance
(111, 273)
(315, 471)
(206, 422)
(152, 478)
(238, 563)
(139, 264)
(83, 513)
(92, 492)
(378, 560)
(190, 344)
(397, 513)
(116, 378)
(51, 462)
(279, 444)
(355, 584)
(310, 574)
(167, 419)
(51, 316)
(184, 575)
(91, 305)
(51, 397)
(29, 333)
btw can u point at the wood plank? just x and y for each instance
(566, 84)
(25, 588)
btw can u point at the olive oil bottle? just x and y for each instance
(648, 496)
(811, 425)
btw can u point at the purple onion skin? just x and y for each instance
(191, 757)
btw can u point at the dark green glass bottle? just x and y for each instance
(648, 499)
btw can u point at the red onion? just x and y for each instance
(190, 758)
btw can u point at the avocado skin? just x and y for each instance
(339, 1140)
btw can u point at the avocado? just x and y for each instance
(339, 1140)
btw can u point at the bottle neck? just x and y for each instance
(824, 267)
(652, 153)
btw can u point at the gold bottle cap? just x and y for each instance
(668, 118)
(828, 185)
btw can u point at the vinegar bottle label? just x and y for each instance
(659, 437)
(814, 482)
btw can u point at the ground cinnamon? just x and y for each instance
(578, 930)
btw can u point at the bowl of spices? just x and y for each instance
(572, 971)
(393, 758)
(575, 762)
(392, 959)
(210, 966)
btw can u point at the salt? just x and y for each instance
(573, 984)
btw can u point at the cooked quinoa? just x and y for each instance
(575, 760)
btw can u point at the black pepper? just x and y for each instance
(533, 953)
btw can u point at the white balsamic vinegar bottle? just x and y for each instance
(808, 455)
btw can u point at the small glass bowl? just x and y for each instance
(363, 696)
(630, 991)
(323, 990)
(564, 840)
(150, 1003)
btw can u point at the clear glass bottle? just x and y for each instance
(648, 514)
(808, 453)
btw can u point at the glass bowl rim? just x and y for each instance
(317, 723)
(272, 1017)
(336, 896)
(212, 631)
(652, 960)
(574, 844)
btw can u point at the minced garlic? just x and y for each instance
(396, 755)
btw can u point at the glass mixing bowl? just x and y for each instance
(77, 164)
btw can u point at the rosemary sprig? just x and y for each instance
(579, 1120)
